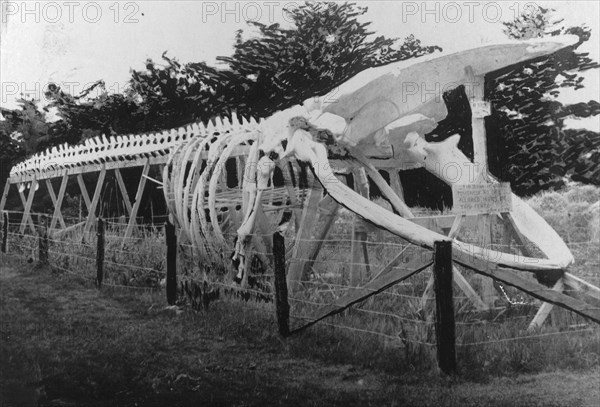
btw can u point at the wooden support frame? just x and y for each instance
(57, 201)
(27, 203)
(91, 220)
(138, 201)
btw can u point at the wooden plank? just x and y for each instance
(488, 291)
(477, 83)
(301, 249)
(469, 291)
(532, 288)
(123, 190)
(545, 309)
(359, 235)
(359, 261)
(137, 203)
(396, 184)
(27, 209)
(4, 195)
(389, 277)
(57, 201)
(84, 192)
(95, 199)
(582, 285)
(456, 225)
(54, 202)
(24, 203)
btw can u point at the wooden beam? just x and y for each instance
(84, 192)
(27, 208)
(478, 113)
(484, 229)
(582, 285)
(301, 249)
(544, 311)
(359, 234)
(387, 278)
(57, 201)
(469, 291)
(396, 184)
(95, 199)
(359, 237)
(137, 203)
(4, 195)
(123, 190)
(532, 288)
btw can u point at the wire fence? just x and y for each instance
(403, 316)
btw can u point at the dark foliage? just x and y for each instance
(528, 144)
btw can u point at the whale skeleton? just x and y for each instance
(376, 122)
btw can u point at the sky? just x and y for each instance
(75, 43)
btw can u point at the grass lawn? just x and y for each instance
(65, 343)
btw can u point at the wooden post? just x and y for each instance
(171, 240)
(100, 244)
(5, 232)
(43, 240)
(444, 306)
(282, 307)
(4, 194)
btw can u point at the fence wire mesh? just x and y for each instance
(402, 316)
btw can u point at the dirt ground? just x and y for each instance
(65, 343)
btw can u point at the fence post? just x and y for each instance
(171, 240)
(282, 307)
(100, 244)
(5, 232)
(43, 240)
(444, 306)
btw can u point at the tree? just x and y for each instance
(326, 46)
(528, 143)
(273, 70)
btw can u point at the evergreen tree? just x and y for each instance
(528, 143)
